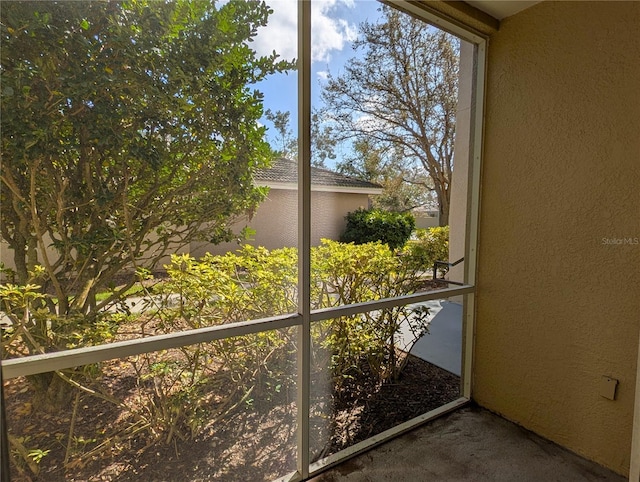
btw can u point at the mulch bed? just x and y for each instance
(256, 442)
(420, 388)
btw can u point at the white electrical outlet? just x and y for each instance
(608, 387)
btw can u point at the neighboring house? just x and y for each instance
(275, 222)
(426, 217)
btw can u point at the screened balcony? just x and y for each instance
(548, 328)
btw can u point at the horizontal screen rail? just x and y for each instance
(348, 310)
(60, 360)
(47, 362)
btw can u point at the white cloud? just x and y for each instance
(323, 74)
(368, 122)
(328, 33)
(280, 32)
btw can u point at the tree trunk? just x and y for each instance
(51, 391)
(443, 207)
(20, 260)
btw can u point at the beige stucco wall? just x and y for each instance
(275, 223)
(7, 254)
(425, 220)
(6, 257)
(557, 306)
(276, 220)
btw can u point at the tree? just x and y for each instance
(401, 92)
(403, 186)
(286, 143)
(129, 129)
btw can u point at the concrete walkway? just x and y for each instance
(442, 346)
(470, 444)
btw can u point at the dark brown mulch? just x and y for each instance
(431, 284)
(257, 442)
(365, 411)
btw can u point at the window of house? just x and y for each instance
(181, 295)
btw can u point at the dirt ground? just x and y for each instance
(255, 442)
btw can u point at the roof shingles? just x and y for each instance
(286, 171)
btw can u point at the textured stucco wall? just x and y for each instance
(424, 221)
(276, 220)
(557, 306)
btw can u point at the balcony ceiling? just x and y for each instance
(501, 8)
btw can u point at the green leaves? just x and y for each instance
(252, 283)
(400, 95)
(257, 283)
(430, 245)
(368, 225)
(121, 120)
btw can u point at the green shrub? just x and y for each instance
(370, 225)
(182, 391)
(345, 274)
(237, 286)
(430, 245)
(214, 290)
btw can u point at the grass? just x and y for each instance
(133, 291)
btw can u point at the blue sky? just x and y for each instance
(334, 27)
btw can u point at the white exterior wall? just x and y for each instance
(275, 223)
(276, 220)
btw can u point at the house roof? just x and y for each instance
(285, 171)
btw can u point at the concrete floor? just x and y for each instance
(470, 444)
